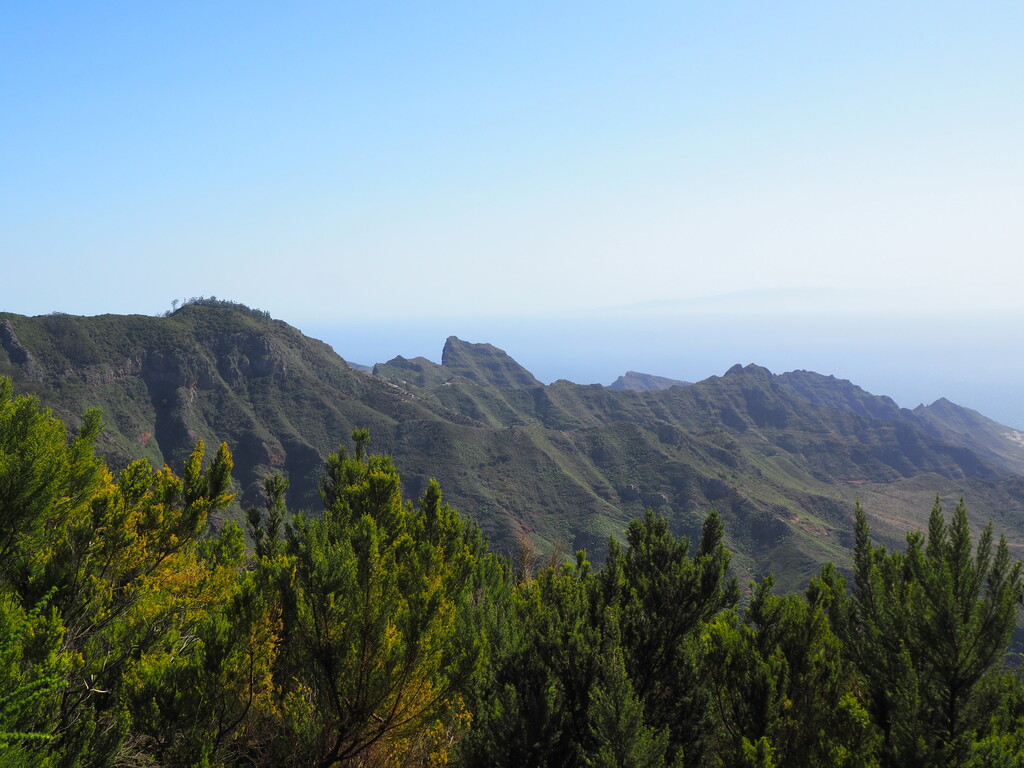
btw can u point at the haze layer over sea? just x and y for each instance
(975, 362)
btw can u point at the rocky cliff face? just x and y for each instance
(15, 350)
(281, 400)
(485, 364)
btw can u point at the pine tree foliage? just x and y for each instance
(533, 703)
(115, 558)
(663, 597)
(374, 652)
(383, 632)
(928, 630)
(780, 687)
(267, 529)
(31, 674)
(619, 732)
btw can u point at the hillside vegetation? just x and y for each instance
(383, 632)
(562, 467)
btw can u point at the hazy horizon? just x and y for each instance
(912, 357)
(834, 174)
(914, 360)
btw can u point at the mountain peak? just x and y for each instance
(485, 364)
(749, 370)
(956, 424)
(416, 370)
(634, 381)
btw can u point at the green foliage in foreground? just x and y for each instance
(134, 632)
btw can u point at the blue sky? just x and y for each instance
(341, 163)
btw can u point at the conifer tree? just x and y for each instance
(534, 709)
(928, 630)
(114, 558)
(620, 737)
(780, 688)
(373, 651)
(32, 671)
(663, 596)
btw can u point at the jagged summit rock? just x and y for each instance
(749, 370)
(418, 371)
(634, 381)
(485, 364)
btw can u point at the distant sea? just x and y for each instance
(975, 362)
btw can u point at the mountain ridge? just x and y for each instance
(635, 381)
(781, 456)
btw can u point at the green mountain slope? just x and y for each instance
(998, 444)
(564, 465)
